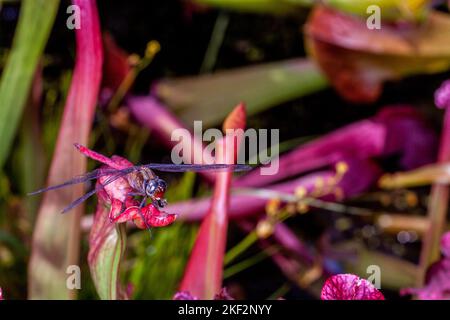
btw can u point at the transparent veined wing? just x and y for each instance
(119, 174)
(95, 174)
(168, 167)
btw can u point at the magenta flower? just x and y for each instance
(349, 287)
(437, 279)
(1, 294)
(186, 295)
(118, 194)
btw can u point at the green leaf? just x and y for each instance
(35, 22)
(259, 6)
(390, 9)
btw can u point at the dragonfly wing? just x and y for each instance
(111, 179)
(197, 167)
(95, 174)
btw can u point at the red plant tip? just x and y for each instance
(349, 287)
(236, 119)
(442, 95)
(445, 244)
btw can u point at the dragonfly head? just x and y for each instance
(155, 189)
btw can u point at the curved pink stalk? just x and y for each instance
(203, 275)
(243, 206)
(56, 237)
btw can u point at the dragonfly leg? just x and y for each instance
(141, 215)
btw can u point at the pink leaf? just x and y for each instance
(361, 175)
(395, 129)
(203, 274)
(56, 237)
(349, 287)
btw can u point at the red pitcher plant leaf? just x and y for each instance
(367, 58)
(349, 287)
(56, 238)
(203, 273)
(107, 243)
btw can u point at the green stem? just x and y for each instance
(238, 249)
(247, 263)
(259, 6)
(217, 36)
(33, 29)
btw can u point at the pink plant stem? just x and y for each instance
(359, 177)
(204, 271)
(244, 206)
(56, 238)
(438, 202)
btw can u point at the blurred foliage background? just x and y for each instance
(195, 40)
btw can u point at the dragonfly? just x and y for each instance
(141, 178)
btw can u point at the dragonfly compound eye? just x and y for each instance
(151, 187)
(162, 185)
